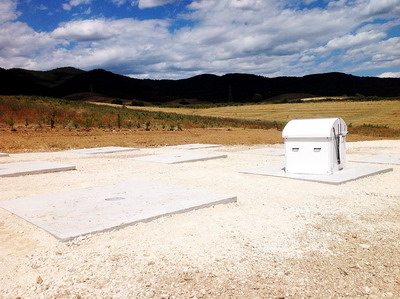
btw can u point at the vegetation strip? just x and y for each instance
(378, 118)
(37, 112)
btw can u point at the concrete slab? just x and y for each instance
(266, 151)
(67, 215)
(350, 173)
(380, 159)
(183, 157)
(31, 167)
(102, 150)
(4, 155)
(194, 146)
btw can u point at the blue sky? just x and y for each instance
(173, 39)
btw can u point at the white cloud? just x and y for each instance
(374, 8)
(85, 30)
(126, 31)
(379, 53)
(351, 40)
(272, 40)
(390, 75)
(308, 2)
(125, 44)
(8, 10)
(41, 7)
(17, 52)
(246, 4)
(253, 36)
(386, 52)
(118, 2)
(307, 58)
(230, 32)
(72, 3)
(153, 3)
(383, 54)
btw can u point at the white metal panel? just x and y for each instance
(309, 156)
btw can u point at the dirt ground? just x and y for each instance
(46, 139)
(282, 239)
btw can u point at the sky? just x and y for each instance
(175, 39)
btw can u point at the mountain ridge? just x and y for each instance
(231, 87)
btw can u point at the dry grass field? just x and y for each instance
(373, 113)
(44, 124)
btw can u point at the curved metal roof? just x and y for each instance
(314, 128)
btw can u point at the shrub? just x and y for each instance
(10, 121)
(257, 97)
(137, 103)
(53, 119)
(375, 126)
(88, 122)
(67, 124)
(184, 102)
(119, 121)
(148, 124)
(117, 102)
(129, 124)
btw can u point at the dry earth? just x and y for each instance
(282, 239)
(46, 139)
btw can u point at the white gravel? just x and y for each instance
(282, 238)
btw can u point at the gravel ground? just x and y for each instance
(283, 238)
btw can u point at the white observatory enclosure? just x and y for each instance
(315, 146)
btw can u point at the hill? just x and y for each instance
(64, 82)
